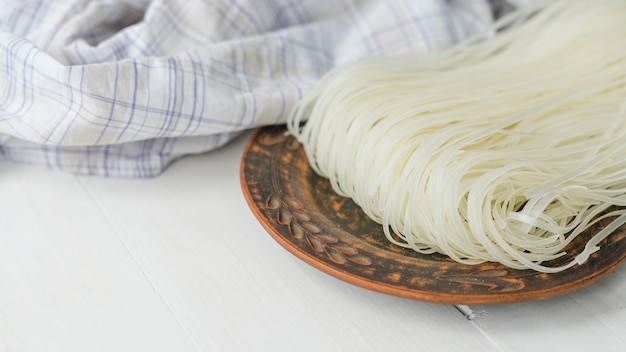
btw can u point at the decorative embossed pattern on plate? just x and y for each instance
(300, 211)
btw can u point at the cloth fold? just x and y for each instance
(122, 88)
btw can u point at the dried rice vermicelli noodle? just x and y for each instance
(503, 148)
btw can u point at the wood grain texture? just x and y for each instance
(179, 263)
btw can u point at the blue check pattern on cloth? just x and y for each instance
(122, 88)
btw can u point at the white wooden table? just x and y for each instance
(179, 263)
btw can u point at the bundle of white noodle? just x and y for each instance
(503, 148)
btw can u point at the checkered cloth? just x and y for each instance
(124, 87)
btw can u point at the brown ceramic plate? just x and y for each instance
(301, 211)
